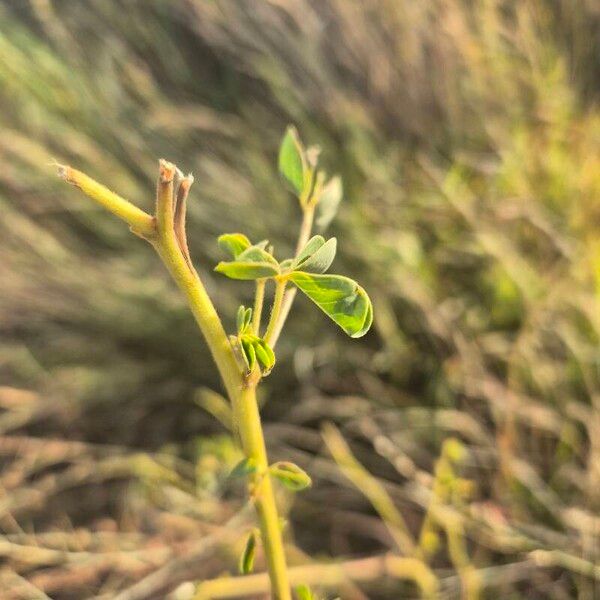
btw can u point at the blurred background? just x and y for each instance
(466, 423)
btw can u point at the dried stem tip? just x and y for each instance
(167, 170)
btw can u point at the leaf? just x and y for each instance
(247, 318)
(252, 263)
(320, 260)
(290, 475)
(292, 160)
(310, 248)
(340, 298)
(247, 558)
(329, 202)
(246, 270)
(257, 254)
(249, 353)
(303, 592)
(233, 243)
(264, 354)
(239, 318)
(243, 468)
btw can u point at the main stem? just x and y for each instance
(160, 232)
(245, 411)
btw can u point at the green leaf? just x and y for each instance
(257, 254)
(310, 248)
(340, 298)
(246, 270)
(249, 353)
(290, 475)
(243, 468)
(264, 354)
(252, 263)
(292, 160)
(239, 318)
(329, 202)
(303, 592)
(247, 318)
(233, 243)
(247, 558)
(320, 260)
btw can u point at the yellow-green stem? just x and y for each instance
(159, 231)
(303, 237)
(259, 298)
(276, 310)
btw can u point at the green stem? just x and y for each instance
(259, 298)
(303, 237)
(160, 232)
(276, 310)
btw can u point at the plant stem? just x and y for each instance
(276, 310)
(259, 298)
(303, 237)
(140, 222)
(160, 233)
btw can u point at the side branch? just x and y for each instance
(140, 222)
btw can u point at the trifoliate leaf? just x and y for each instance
(247, 558)
(292, 160)
(340, 298)
(303, 592)
(329, 202)
(290, 475)
(320, 260)
(233, 243)
(243, 468)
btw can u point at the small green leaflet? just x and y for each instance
(303, 592)
(253, 263)
(247, 558)
(292, 160)
(233, 243)
(340, 298)
(243, 319)
(290, 475)
(316, 256)
(329, 202)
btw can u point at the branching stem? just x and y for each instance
(259, 298)
(276, 310)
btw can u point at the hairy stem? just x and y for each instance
(259, 298)
(276, 310)
(303, 237)
(160, 232)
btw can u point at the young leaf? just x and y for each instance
(239, 318)
(303, 592)
(340, 298)
(246, 270)
(247, 318)
(244, 467)
(310, 248)
(249, 353)
(252, 263)
(329, 202)
(292, 160)
(264, 354)
(247, 558)
(290, 475)
(233, 243)
(257, 254)
(320, 260)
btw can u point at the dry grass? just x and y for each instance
(468, 136)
